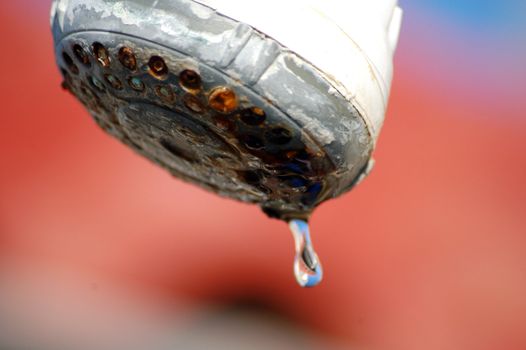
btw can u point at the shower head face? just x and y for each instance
(219, 104)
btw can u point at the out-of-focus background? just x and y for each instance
(101, 249)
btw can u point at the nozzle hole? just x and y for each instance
(81, 55)
(69, 63)
(165, 92)
(278, 136)
(253, 142)
(113, 81)
(127, 58)
(224, 123)
(190, 79)
(96, 83)
(158, 67)
(223, 100)
(253, 116)
(193, 103)
(136, 84)
(101, 54)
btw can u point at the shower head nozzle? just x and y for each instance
(271, 102)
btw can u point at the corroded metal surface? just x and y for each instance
(213, 101)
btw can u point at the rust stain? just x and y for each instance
(158, 68)
(223, 100)
(127, 58)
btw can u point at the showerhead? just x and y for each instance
(277, 103)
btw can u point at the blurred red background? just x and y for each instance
(428, 253)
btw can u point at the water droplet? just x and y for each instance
(307, 266)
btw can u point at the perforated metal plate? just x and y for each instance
(195, 121)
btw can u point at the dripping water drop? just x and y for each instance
(307, 266)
